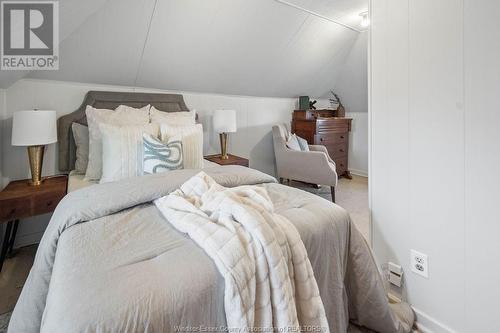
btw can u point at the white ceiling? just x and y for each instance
(245, 47)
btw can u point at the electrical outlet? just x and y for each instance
(419, 263)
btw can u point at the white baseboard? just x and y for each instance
(361, 173)
(427, 324)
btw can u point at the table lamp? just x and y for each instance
(224, 122)
(34, 129)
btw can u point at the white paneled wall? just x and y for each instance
(482, 162)
(435, 152)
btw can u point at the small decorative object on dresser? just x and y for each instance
(304, 103)
(224, 122)
(19, 200)
(231, 160)
(34, 129)
(323, 127)
(336, 104)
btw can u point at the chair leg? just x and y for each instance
(332, 189)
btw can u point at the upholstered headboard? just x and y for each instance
(107, 100)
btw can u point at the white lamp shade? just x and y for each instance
(35, 127)
(224, 121)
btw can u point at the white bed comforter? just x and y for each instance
(269, 281)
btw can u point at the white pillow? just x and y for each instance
(122, 150)
(293, 143)
(121, 116)
(304, 146)
(81, 136)
(182, 118)
(192, 143)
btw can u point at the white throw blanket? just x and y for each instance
(269, 282)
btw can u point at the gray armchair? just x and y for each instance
(314, 166)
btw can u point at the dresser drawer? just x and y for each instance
(341, 164)
(46, 202)
(330, 138)
(15, 208)
(338, 150)
(333, 125)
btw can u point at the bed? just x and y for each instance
(110, 262)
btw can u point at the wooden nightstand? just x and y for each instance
(232, 160)
(19, 200)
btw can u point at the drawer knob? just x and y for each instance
(341, 136)
(49, 203)
(341, 150)
(321, 139)
(12, 211)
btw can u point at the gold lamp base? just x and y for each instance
(223, 146)
(35, 154)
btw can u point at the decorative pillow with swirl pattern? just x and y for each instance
(161, 157)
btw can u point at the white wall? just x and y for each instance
(435, 142)
(352, 84)
(237, 47)
(358, 143)
(352, 88)
(482, 162)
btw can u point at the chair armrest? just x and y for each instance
(313, 160)
(308, 166)
(302, 156)
(323, 149)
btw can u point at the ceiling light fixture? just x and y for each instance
(365, 21)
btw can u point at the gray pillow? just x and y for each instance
(81, 136)
(161, 157)
(304, 146)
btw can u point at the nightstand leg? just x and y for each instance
(5, 244)
(13, 237)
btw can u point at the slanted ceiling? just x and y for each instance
(242, 47)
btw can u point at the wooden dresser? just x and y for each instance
(322, 127)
